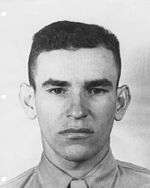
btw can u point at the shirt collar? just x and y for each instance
(52, 176)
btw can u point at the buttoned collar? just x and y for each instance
(52, 176)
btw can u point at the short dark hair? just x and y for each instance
(71, 35)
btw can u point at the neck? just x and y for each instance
(73, 168)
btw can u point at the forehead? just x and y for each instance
(76, 65)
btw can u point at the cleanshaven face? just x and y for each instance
(75, 100)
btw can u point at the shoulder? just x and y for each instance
(132, 168)
(21, 180)
(129, 172)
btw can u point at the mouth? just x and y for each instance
(76, 133)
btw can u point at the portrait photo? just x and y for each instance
(75, 93)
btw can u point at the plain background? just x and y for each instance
(20, 146)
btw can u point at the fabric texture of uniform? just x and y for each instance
(109, 173)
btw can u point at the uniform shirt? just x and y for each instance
(109, 173)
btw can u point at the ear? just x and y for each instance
(27, 99)
(122, 103)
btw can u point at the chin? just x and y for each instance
(77, 153)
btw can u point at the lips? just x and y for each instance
(76, 133)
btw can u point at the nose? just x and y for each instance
(77, 108)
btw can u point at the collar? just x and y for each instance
(52, 176)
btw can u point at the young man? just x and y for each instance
(74, 70)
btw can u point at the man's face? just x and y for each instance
(75, 100)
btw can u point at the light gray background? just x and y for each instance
(20, 145)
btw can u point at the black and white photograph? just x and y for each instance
(75, 94)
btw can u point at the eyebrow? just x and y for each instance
(98, 82)
(88, 84)
(55, 83)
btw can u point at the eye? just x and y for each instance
(95, 91)
(57, 91)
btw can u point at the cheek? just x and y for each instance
(104, 108)
(48, 105)
(103, 114)
(49, 110)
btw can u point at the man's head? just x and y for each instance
(74, 70)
